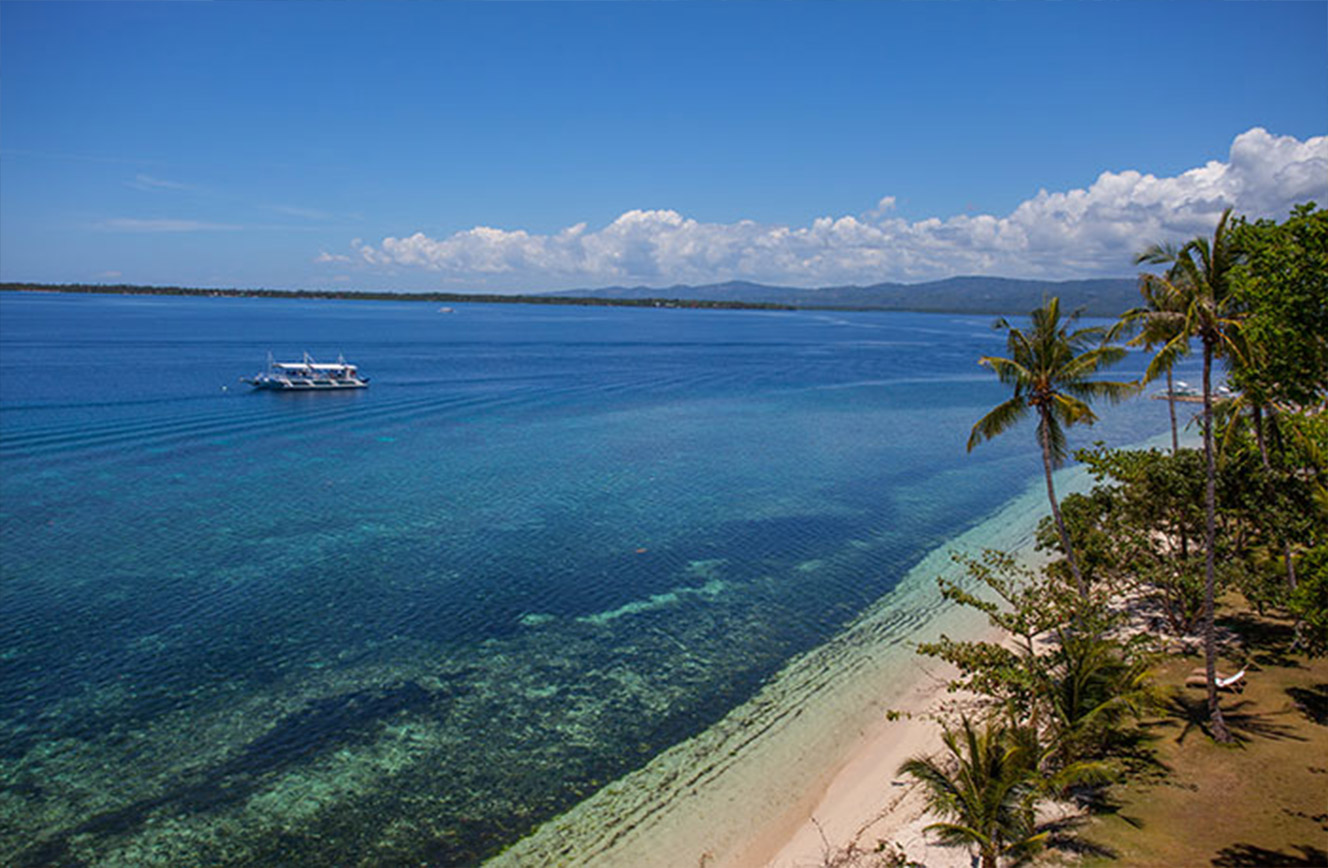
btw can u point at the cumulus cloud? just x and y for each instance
(1055, 235)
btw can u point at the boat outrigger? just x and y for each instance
(307, 376)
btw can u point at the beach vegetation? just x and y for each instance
(1197, 303)
(1154, 327)
(1203, 803)
(1061, 669)
(1089, 668)
(984, 790)
(1051, 367)
(1308, 603)
(1282, 284)
(1138, 528)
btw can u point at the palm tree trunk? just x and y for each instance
(1044, 440)
(1220, 732)
(1171, 405)
(1268, 468)
(1258, 437)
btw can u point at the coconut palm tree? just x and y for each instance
(1050, 366)
(985, 791)
(1153, 327)
(1196, 299)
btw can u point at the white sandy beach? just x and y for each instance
(807, 766)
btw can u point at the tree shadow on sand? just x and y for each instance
(1250, 856)
(1266, 642)
(1191, 714)
(1065, 836)
(1312, 701)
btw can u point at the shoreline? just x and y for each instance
(807, 765)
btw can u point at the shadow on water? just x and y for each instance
(321, 726)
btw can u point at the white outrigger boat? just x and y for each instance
(307, 376)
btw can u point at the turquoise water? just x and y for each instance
(407, 624)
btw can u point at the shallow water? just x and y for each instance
(409, 623)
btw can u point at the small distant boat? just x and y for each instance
(446, 309)
(307, 376)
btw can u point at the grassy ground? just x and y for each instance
(1261, 802)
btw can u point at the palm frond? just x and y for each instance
(998, 420)
(1166, 357)
(1109, 390)
(1071, 410)
(1008, 371)
(1157, 254)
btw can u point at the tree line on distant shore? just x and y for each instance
(1062, 697)
(353, 295)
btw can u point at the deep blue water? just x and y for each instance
(406, 624)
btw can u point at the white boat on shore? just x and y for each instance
(307, 376)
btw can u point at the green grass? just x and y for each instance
(1263, 801)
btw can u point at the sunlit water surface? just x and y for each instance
(407, 624)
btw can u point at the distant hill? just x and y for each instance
(1104, 297)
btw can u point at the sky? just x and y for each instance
(524, 147)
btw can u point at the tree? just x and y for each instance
(1282, 287)
(1058, 676)
(986, 791)
(1132, 530)
(1050, 366)
(1197, 302)
(1154, 328)
(1282, 284)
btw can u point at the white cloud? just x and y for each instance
(133, 224)
(1055, 235)
(296, 211)
(157, 185)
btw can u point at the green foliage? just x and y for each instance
(1196, 302)
(985, 790)
(1140, 530)
(1051, 367)
(1272, 504)
(1309, 601)
(1059, 675)
(1282, 285)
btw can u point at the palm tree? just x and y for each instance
(1049, 367)
(1091, 686)
(1156, 329)
(985, 791)
(1196, 303)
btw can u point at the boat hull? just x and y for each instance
(294, 386)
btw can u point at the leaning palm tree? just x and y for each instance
(1197, 301)
(1050, 367)
(985, 791)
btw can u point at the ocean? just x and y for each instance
(406, 625)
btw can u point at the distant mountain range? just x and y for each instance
(1104, 297)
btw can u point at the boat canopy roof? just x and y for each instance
(311, 366)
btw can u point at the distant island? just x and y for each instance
(1101, 297)
(973, 295)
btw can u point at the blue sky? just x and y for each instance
(523, 146)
